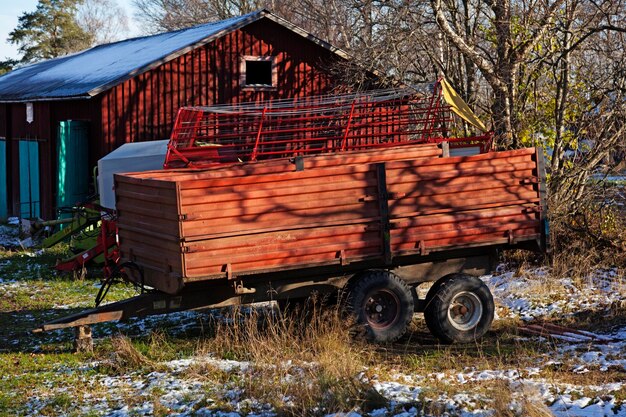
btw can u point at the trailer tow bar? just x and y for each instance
(147, 304)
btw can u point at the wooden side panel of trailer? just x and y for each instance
(454, 202)
(279, 220)
(149, 230)
(247, 221)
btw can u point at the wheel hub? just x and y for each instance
(381, 309)
(465, 311)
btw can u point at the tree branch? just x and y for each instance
(593, 31)
(524, 48)
(483, 64)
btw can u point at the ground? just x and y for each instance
(249, 362)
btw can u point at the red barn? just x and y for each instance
(65, 113)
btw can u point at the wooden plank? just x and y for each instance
(459, 242)
(336, 232)
(430, 233)
(331, 203)
(461, 224)
(360, 244)
(459, 201)
(480, 159)
(215, 179)
(400, 181)
(369, 223)
(453, 172)
(431, 211)
(288, 187)
(153, 255)
(167, 227)
(465, 216)
(279, 194)
(422, 189)
(261, 221)
(289, 263)
(155, 209)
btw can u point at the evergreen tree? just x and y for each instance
(7, 65)
(50, 31)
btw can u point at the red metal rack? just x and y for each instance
(323, 124)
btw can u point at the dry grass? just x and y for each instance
(125, 357)
(585, 235)
(517, 400)
(591, 273)
(265, 336)
(503, 399)
(591, 235)
(303, 364)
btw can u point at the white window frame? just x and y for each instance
(242, 72)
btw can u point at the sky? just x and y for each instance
(10, 10)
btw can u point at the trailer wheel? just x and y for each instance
(459, 308)
(383, 303)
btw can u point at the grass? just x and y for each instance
(34, 284)
(307, 372)
(302, 365)
(28, 376)
(32, 292)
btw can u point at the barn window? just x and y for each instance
(258, 72)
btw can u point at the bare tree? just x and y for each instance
(588, 75)
(104, 19)
(501, 59)
(160, 15)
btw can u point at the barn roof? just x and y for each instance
(89, 72)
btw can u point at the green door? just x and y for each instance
(29, 179)
(4, 201)
(73, 162)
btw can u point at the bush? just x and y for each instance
(588, 233)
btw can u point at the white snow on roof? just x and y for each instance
(86, 73)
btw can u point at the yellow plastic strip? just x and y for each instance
(459, 106)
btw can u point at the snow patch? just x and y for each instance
(9, 236)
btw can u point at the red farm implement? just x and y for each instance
(245, 132)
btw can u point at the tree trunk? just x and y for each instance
(502, 123)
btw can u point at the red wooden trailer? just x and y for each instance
(188, 226)
(373, 224)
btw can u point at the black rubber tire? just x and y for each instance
(435, 287)
(382, 303)
(474, 301)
